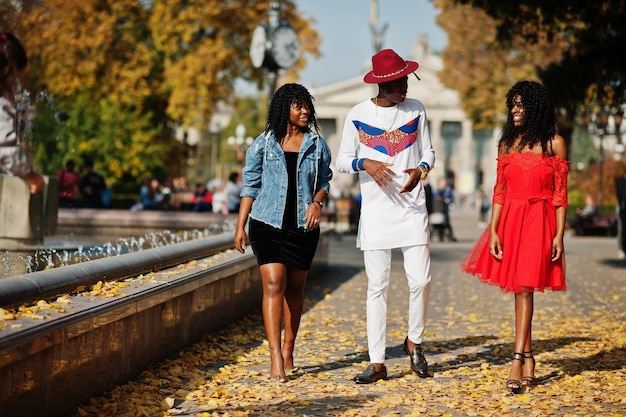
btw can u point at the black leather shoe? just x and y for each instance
(418, 361)
(370, 375)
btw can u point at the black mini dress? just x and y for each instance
(291, 246)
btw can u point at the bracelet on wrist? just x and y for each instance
(360, 164)
(319, 203)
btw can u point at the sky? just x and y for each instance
(347, 40)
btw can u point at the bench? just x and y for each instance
(605, 223)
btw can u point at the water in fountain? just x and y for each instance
(69, 250)
(24, 262)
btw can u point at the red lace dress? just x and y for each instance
(529, 186)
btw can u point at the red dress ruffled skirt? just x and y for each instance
(529, 186)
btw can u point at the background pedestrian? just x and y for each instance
(92, 187)
(68, 185)
(621, 216)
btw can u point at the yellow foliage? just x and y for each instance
(186, 53)
(480, 67)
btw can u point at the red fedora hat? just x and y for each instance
(387, 65)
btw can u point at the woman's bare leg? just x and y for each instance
(274, 280)
(292, 308)
(528, 374)
(523, 323)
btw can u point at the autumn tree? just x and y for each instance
(129, 72)
(9, 15)
(205, 49)
(481, 67)
(94, 58)
(573, 47)
(591, 70)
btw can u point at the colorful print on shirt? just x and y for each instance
(389, 143)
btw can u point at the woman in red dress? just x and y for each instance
(522, 248)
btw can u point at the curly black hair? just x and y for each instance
(12, 57)
(278, 114)
(539, 124)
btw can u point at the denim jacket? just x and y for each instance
(265, 177)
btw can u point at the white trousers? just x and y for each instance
(378, 270)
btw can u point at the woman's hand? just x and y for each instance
(35, 182)
(380, 172)
(242, 218)
(312, 216)
(240, 240)
(557, 248)
(495, 246)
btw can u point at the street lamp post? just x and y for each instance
(240, 142)
(618, 117)
(214, 138)
(619, 144)
(599, 124)
(601, 121)
(273, 20)
(274, 46)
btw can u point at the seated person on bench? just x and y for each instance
(587, 214)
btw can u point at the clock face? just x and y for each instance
(258, 46)
(285, 48)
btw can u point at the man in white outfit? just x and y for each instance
(386, 141)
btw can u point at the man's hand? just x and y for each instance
(379, 171)
(415, 175)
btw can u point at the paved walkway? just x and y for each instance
(580, 347)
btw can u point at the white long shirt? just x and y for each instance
(397, 135)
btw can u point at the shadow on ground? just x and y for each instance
(289, 405)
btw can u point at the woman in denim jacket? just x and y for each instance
(285, 182)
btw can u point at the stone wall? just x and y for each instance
(26, 219)
(50, 366)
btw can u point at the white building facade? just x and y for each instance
(465, 155)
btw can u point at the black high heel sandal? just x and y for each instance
(529, 380)
(515, 385)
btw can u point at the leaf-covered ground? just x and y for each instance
(580, 348)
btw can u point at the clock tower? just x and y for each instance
(274, 45)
